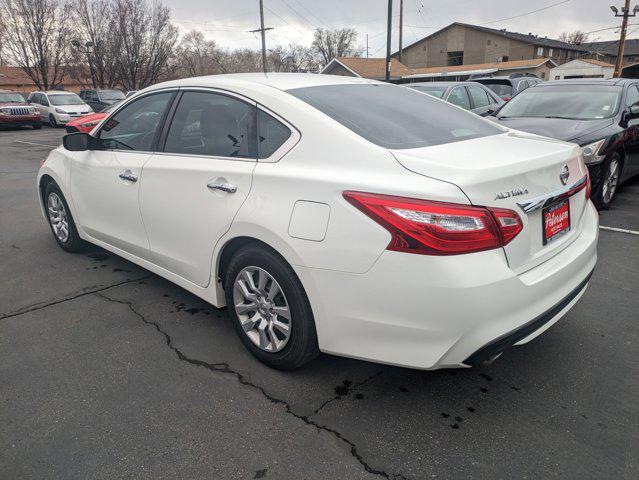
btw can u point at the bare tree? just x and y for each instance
(574, 38)
(96, 42)
(328, 44)
(196, 56)
(294, 58)
(146, 40)
(37, 38)
(242, 60)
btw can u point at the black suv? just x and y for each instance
(600, 115)
(508, 87)
(98, 100)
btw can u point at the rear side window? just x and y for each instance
(458, 96)
(480, 97)
(136, 125)
(503, 89)
(213, 124)
(395, 117)
(272, 134)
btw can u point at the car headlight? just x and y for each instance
(591, 152)
(4, 110)
(59, 110)
(92, 123)
(33, 110)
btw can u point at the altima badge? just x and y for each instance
(564, 174)
(511, 193)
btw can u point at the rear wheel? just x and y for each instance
(269, 308)
(61, 220)
(608, 183)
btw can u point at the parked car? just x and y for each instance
(509, 86)
(59, 107)
(88, 122)
(468, 95)
(600, 115)
(329, 213)
(99, 99)
(16, 112)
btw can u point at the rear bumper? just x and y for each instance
(433, 312)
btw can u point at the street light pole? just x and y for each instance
(625, 13)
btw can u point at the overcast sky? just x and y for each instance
(229, 21)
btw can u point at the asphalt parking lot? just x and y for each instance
(109, 371)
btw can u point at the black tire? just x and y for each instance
(52, 121)
(73, 243)
(37, 126)
(602, 201)
(302, 344)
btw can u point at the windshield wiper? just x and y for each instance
(562, 118)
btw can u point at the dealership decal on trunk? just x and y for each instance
(511, 193)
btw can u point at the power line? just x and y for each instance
(526, 13)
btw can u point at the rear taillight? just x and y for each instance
(588, 185)
(505, 99)
(437, 228)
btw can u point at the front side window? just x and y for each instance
(110, 95)
(633, 96)
(60, 99)
(576, 102)
(480, 97)
(459, 97)
(136, 125)
(272, 134)
(394, 117)
(213, 124)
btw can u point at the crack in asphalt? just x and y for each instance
(347, 391)
(224, 367)
(85, 291)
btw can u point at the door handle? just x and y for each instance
(128, 175)
(224, 186)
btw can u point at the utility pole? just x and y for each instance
(625, 13)
(388, 39)
(262, 30)
(401, 27)
(367, 48)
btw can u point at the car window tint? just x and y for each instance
(395, 117)
(459, 97)
(135, 126)
(480, 97)
(272, 134)
(632, 96)
(213, 124)
(523, 85)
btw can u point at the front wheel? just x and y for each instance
(61, 220)
(52, 121)
(608, 182)
(269, 308)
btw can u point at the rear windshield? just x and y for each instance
(11, 97)
(437, 92)
(575, 102)
(395, 117)
(501, 88)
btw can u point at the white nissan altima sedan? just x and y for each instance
(334, 214)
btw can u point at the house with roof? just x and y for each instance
(607, 51)
(16, 80)
(465, 44)
(539, 67)
(583, 68)
(374, 68)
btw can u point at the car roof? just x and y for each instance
(52, 92)
(281, 81)
(439, 84)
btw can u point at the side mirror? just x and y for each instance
(489, 112)
(77, 142)
(633, 111)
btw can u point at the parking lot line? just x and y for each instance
(621, 230)
(39, 144)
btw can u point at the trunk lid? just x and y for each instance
(502, 171)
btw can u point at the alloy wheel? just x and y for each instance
(58, 217)
(610, 181)
(262, 309)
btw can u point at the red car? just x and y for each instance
(86, 123)
(15, 111)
